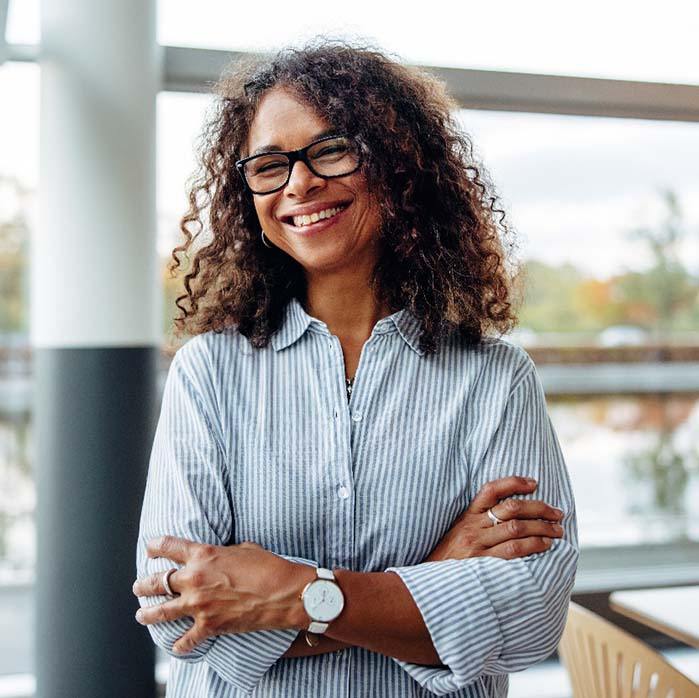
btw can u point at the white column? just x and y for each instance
(94, 279)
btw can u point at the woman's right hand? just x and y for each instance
(528, 525)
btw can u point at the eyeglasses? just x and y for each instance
(332, 156)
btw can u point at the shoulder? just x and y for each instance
(501, 361)
(210, 354)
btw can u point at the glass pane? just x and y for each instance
(612, 264)
(499, 35)
(19, 141)
(634, 464)
(632, 41)
(179, 120)
(605, 246)
(23, 22)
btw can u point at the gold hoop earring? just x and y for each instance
(262, 234)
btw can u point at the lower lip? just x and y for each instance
(318, 227)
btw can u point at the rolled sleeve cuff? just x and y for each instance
(243, 659)
(460, 619)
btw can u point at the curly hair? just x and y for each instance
(443, 245)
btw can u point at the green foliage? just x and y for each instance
(14, 263)
(666, 296)
(661, 299)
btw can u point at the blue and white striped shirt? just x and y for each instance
(263, 445)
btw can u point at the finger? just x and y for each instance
(171, 547)
(152, 585)
(193, 637)
(510, 509)
(520, 547)
(518, 528)
(495, 490)
(161, 613)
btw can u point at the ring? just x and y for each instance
(494, 518)
(166, 581)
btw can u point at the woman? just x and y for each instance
(341, 436)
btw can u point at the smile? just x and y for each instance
(300, 221)
(317, 221)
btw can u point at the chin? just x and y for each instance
(319, 261)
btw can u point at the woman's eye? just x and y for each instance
(331, 151)
(266, 168)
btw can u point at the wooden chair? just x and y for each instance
(604, 661)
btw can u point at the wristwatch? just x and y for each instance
(323, 600)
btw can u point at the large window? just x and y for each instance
(607, 212)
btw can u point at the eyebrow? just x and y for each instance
(274, 146)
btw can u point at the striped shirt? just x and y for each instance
(263, 445)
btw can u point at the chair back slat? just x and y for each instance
(604, 661)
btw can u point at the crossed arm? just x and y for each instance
(244, 588)
(424, 616)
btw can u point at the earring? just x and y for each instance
(262, 234)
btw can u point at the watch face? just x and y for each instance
(323, 600)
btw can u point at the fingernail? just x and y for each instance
(547, 541)
(557, 528)
(531, 481)
(139, 616)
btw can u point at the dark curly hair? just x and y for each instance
(443, 246)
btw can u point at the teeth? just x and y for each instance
(300, 221)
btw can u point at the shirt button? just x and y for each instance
(342, 492)
(357, 417)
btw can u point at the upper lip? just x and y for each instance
(308, 209)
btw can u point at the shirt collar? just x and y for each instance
(296, 321)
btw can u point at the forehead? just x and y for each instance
(285, 121)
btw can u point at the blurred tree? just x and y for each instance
(550, 293)
(662, 298)
(14, 256)
(665, 297)
(665, 470)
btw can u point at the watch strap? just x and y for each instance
(317, 627)
(324, 573)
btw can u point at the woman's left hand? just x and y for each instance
(225, 589)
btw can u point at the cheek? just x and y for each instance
(264, 213)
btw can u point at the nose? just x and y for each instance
(302, 180)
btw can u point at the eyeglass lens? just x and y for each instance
(329, 158)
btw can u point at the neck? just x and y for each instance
(345, 303)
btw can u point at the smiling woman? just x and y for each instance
(354, 243)
(417, 184)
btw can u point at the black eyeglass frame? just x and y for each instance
(293, 157)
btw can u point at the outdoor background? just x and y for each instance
(606, 212)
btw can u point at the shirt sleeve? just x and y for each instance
(187, 495)
(487, 615)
